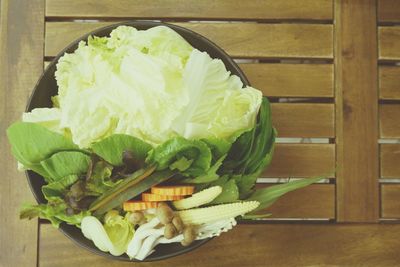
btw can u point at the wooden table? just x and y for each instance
(331, 69)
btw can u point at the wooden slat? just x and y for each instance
(288, 80)
(390, 160)
(302, 160)
(389, 10)
(356, 111)
(245, 40)
(315, 201)
(390, 201)
(205, 9)
(389, 120)
(304, 120)
(291, 80)
(389, 43)
(389, 82)
(256, 245)
(21, 57)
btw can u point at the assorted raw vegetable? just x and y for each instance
(150, 141)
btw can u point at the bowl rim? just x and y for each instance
(134, 23)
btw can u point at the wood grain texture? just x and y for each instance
(390, 201)
(390, 160)
(389, 42)
(21, 52)
(263, 245)
(206, 9)
(356, 111)
(389, 115)
(316, 201)
(302, 160)
(243, 40)
(291, 80)
(389, 82)
(388, 10)
(288, 80)
(304, 120)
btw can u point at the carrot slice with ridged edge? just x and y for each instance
(178, 190)
(154, 197)
(138, 205)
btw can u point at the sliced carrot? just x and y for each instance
(154, 197)
(180, 190)
(138, 205)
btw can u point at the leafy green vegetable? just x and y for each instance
(100, 180)
(264, 135)
(47, 117)
(218, 105)
(122, 83)
(209, 176)
(240, 151)
(219, 147)
(119, 230)
(174, 149)
(31, 143)
(246, 182)
(267, 196)
(113, 237)
(65, 163)
(181, 164)
(230, 193)
(112, 147)
(54, 211)
(58, 188)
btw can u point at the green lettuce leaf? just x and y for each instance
(65, 163)
(182, 164)
(100, 181)
(31, 143)
(219, 147)
(174, 149)
(210, 176)
(112, 147)
(54, 211)
(119, 230)
(58, 188)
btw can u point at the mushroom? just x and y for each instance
(164, 213)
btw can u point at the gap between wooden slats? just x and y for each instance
(289, 80)
(390, 201)
(389, 42)
(388, 10)
(389, 115)
(272, 244)
(389, 82)
(243, 40)
(205, 9)
(390, 161)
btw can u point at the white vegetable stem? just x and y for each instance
(141, 233)
(93, 230)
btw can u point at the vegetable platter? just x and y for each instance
(151, 145)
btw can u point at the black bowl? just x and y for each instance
(47, 87)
